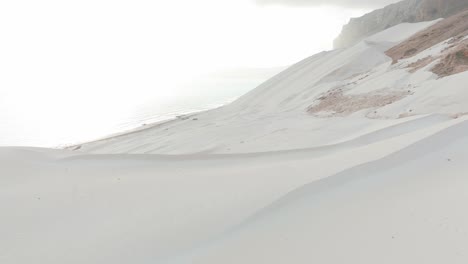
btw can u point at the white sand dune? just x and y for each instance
(315, 165)
(65, 207)
(405, 208)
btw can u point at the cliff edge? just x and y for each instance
(407, 11)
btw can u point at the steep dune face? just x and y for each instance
(408, 11)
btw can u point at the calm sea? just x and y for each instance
(42, 119)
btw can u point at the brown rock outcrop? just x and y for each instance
(455, 27)
(452, 60)
(336, 103)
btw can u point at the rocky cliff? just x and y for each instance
(409, 11)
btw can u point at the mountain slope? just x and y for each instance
(408, 11)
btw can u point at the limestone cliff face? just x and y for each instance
(410, 11)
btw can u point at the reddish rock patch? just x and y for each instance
(421, 63)
(336, 103)
(453, 59)
(453, 62)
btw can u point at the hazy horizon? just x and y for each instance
(85, 67)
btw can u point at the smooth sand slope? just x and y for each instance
(64, 207)
(406, 208)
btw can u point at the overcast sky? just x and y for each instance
(341, 3)
(90, 59)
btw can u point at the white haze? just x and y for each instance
(77, 70)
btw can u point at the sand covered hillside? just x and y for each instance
(325, 99)
(356, 155)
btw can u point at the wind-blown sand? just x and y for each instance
(263, 180)
(65, 207)
(405, 208)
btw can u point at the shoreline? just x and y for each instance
(138, 129)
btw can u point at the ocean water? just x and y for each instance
(41, 118)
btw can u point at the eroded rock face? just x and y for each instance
(451, 60)
(454, 28)
(408, 11)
